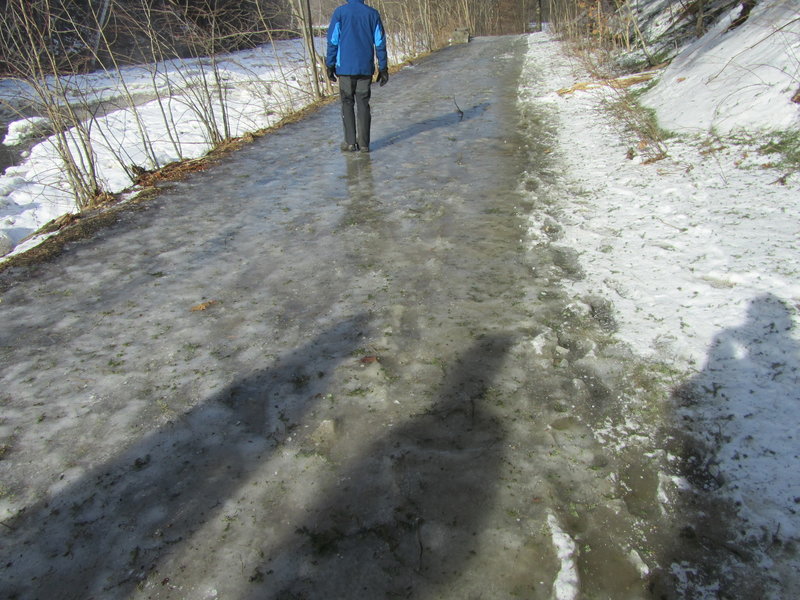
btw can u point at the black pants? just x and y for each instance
(355, 91)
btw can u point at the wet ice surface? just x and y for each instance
(364, 384)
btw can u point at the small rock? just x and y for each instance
(460, 36)
(141, 462)
(324, 434)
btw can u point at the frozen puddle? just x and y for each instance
(309, 375)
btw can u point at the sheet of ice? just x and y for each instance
(410, 254)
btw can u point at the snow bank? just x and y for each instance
(698, 255)
(567, 584)
(739, 79)
(25, 129)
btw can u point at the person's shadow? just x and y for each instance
(740, 416)
(105, 533)
(405, 515)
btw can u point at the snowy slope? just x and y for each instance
(739, 79)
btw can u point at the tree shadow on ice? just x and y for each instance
(738, 449)
(404, 517)
(105, 533)
(449, 119)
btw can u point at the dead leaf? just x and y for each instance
(203, 305)
(582, 85)
(368, 360)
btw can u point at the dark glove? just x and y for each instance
(332, 73)
(383, 77)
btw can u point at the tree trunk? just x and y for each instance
(308, 37)
(700, 27)
(539, 14)
(101, 21)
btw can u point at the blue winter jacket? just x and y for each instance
(355, 36)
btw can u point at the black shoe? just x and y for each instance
(345, 147)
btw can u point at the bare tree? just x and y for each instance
(33, 41)
(184, 46)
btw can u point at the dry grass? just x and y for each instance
(639, 123)
(617, 83)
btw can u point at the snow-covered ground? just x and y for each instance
(700, 252)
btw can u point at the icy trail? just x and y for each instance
(303, 374)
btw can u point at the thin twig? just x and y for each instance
(670, 224)
(458, 110)
(764, 39)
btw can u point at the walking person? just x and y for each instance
(355, 37)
